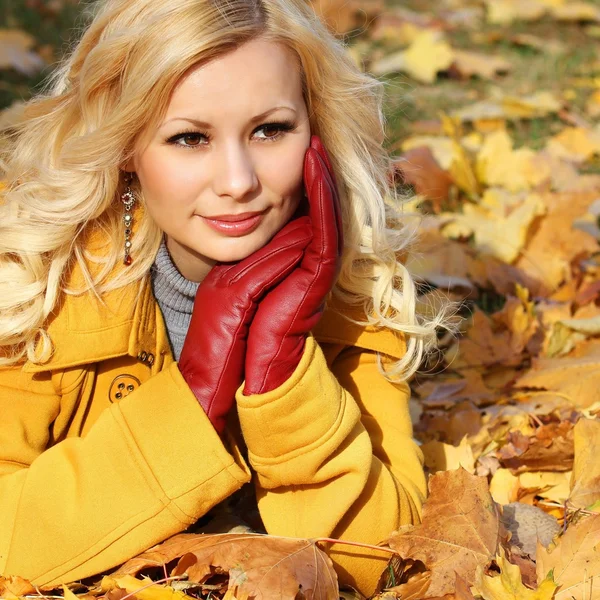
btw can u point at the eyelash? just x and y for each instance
(282, 126)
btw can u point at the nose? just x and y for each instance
(235, 175)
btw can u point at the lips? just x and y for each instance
(235, 218)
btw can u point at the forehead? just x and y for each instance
(245, 79)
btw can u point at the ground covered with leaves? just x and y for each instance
(494, 117)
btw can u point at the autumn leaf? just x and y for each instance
(574, 561)
(264, 565)
(16, 53)
(459, 531)
(423, 59)
(508, 585)
(586, 466)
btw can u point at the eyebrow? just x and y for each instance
(255, 119)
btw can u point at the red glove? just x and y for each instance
(212, 358)
(287, 313)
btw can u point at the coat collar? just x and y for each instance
(128, 321)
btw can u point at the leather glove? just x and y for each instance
(287, 313)
(212, 357)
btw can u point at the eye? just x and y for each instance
(273, 131)
(188, 139)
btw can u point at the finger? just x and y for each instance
(325, 245)
(317, 144)
(268, 266)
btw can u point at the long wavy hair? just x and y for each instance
(61, 163)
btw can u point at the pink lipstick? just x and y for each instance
(235, 225)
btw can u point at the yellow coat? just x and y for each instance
(104, 450)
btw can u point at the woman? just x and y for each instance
(171, 233)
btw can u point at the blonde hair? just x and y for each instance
(62, 161)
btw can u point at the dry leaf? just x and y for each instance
(419, 168)
(576, 144)
(504, 12)
(444, 457)
(15, 586)
(585, 489)
(504, 486)
(528, 525)
(482, 65)
(574, 561)
(15, 52)
(508, 585)
(264, 565)
(424, 58)
(459, 531)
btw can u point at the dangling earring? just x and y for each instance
(128, 200)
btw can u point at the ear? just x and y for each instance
(129, 166)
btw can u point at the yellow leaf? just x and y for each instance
(144, 589)
(424, 58)
(498, 164)
(576, 11)
(551, 486)
(499, 228)
(504, 12)
(445, 457)
(68, 594)
(508, 585)
(504, 486)
(575, 143)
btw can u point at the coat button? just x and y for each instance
(122, 386)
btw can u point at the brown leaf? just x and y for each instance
(550, 449)
(460, 530)
(575, 561)
(419, 168)
(265, 566)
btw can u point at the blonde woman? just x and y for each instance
(199, 290)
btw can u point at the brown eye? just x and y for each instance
(191, 139)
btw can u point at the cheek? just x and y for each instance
(284, 171)
(165, 179)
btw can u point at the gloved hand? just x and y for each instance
(287, 313)
(212, 358)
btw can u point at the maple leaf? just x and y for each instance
(424, 58)
(574, 561)
(264, 566)
(459, 531)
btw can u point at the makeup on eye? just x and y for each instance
(281, 127)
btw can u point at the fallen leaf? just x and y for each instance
(576, 144)
(474, 63)
(270, 565)
(419, 168)
(528, 525)
(14, 586)
(460, 530)
(574, 561)
(445, 457)
(576, 11)
(504, 486)
(504, 12)
(585, 488)
(15, 52)
(508, 585)
(422, 60)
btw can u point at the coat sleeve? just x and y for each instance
(147, 468)
(334, 457)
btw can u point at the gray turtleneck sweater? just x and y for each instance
(175, 295)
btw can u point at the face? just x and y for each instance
(232, 141)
